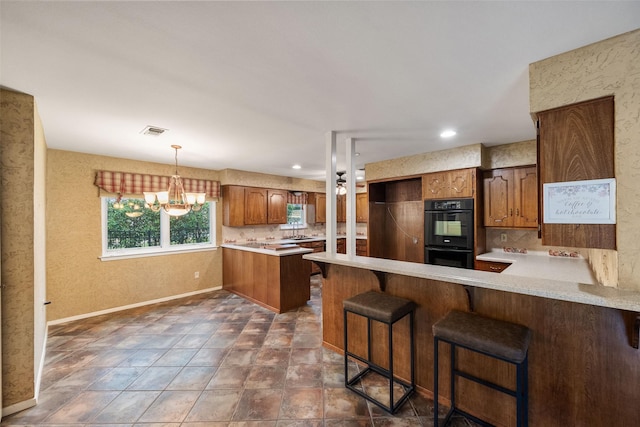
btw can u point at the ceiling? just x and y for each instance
(257, 85)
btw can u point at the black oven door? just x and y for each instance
(461, 258)
(452, 229)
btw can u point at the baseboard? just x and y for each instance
(17, 407)
(126, 307)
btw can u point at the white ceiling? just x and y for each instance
(257, 85)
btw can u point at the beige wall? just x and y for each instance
(78, 281)
(469, 156)
(21, 215)
(609, 67)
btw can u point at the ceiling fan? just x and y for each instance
(341, 183)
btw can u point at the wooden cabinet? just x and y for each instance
(493, 266)
(253, 206)
(341, 208)
(277, 207)
(317, 246)
(362, 207)
(361, 247)
(511, 197)
(456, 184)
(341, 246)
(576, 144)
(318, 212)
(232, 206)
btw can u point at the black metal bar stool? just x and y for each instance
(386, 309)
(494, 338)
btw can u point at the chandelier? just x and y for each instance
(174, 201)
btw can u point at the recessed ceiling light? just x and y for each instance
(296, 167)
(448, 133)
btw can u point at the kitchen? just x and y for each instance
(68, 275)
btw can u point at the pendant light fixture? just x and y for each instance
(174, 201)
(341, 184)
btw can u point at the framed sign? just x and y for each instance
(580, 202)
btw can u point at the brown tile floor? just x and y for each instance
(208, 360)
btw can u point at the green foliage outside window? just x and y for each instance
(144, 231)
(295, 214)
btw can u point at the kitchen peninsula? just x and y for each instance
(273, 275)
(583, 367)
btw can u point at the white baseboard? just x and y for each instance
(126, 307)
(17, 407)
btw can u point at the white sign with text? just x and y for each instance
(580, 202)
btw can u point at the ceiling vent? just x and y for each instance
(153, 131)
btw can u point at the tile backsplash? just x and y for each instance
(269, 232)
(525, 241)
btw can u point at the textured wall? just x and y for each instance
(78, 281)
(609, 67)
(509, 155)
(254, 179)
(469, 156)
(17, 173)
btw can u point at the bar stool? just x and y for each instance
(494, 338)
(386, 309)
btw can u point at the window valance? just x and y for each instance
(297, 198)
(136, 183)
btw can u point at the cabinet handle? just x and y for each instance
(491, 267)
(517, 211)
(511, 212)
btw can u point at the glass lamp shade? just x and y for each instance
(177, 210)
(341, 190)
(163, 197)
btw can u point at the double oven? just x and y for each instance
(448, 226)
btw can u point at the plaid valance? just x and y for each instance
(136, 183)
(297, 198)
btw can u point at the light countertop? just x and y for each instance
(535, 280)
(261, 250)
(543, 266)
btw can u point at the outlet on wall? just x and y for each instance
(196, 275)
(503, 237)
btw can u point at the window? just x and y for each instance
(132, 230)
(296, 217)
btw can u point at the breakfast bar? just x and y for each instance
(584, 365)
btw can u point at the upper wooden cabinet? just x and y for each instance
(253, 206)
(457, 184)
(277, 207)
(232, 205)
(576, 144)
(511, 197)
(362, 207)
(341, 208)
(318, 211)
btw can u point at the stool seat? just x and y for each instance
(378, 306)
(505, 340)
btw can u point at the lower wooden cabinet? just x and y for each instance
(361, 247)
(317, 246)
(493, 266)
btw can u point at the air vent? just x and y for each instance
(153, 131)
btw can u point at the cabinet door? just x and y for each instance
(498, 205)
(277, 207)
(341, 246)
(460, 183)
(492, 266)
(321, 207)
(341, 208)
(576, 143)
(435, 185)
(232, 206)
(255, 206)
(362, 207)
(525, 198)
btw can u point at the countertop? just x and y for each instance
(534, 282)
(541, 265)
(272, 252)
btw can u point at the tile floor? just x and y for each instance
(209, 360)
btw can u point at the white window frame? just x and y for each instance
(165, 248)
(297, 226)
